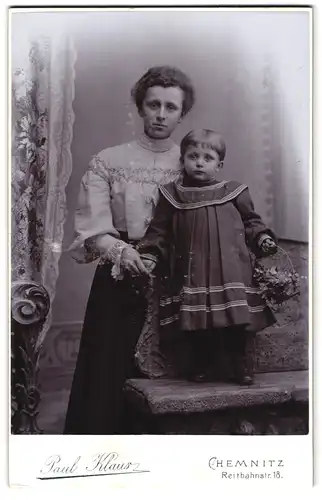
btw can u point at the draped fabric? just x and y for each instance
(42, 125)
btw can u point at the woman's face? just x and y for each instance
(161, 111)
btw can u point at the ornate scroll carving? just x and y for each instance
(29, 308)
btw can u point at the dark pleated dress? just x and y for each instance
(205, 233)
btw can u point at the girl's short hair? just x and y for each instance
(164, 76)
(206, 137)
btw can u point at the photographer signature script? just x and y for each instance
(100, 464)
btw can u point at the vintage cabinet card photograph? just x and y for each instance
(160, 165)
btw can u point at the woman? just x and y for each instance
(116, 203)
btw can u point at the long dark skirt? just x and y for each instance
(113, 322)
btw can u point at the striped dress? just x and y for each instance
(201, 238)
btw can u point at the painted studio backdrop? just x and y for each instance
(252, 78)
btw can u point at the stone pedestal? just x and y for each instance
(285, 346)
(277, 403)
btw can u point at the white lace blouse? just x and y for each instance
(118, 193)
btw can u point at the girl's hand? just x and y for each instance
(268, 246)
(149, 264)
(131, 261)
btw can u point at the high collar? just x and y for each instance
(155, 145)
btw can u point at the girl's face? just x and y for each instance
(201, 163)
(161, 111)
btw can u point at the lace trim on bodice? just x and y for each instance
(139, 175)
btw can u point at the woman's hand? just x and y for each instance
(268, 246)
(131, 261)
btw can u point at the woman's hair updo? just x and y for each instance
(164, 76)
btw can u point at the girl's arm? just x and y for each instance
(156, 242)
(259, 237)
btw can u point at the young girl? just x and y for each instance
(200, 239)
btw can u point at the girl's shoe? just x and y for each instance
(242, 350)
(200, 377)
(243, 370)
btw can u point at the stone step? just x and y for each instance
(165, 396)
(186, 407)
(277, 403)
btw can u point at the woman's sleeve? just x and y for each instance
(157, 239)
(95, 234)
(255, 229)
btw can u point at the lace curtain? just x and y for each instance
(42, 125)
